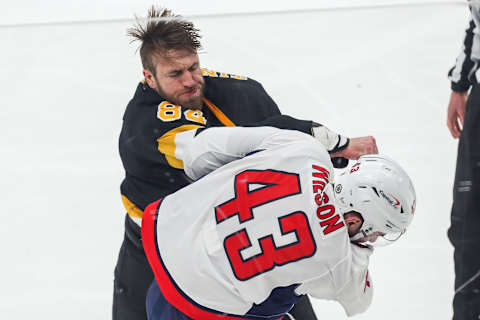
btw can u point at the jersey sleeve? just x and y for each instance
(211, 148)
(282, 121)
(331, 140)
(357, 295)
(464, 65)
(349, 283)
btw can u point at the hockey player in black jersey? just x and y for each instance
(177, 95)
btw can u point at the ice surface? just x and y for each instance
(378, 72)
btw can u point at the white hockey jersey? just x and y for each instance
(246, 240)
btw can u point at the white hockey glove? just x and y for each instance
(332, 141)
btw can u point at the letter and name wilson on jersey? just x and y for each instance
(330, 220)
(262, 227)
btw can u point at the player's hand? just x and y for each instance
(456, 113)
(357, 148)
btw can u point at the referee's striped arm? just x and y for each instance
(464, 66)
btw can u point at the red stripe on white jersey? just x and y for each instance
(170, 291)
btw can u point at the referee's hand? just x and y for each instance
(456, 113)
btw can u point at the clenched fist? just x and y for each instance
(357, 148)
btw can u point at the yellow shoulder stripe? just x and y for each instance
(218, 113)
(166, 144)
(132, 209)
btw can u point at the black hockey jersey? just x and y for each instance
(150, 124)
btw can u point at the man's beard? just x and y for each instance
(194, 102)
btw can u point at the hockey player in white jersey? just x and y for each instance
(267, 223)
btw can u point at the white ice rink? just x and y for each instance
(371, 71)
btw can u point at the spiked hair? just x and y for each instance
(163, 31)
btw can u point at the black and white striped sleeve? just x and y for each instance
(464, 66)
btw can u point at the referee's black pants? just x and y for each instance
(133, 278)
(464, 232)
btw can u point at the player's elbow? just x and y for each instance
(357, 308)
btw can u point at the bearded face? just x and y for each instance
(178, 78)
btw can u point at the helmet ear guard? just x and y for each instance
(381, 191)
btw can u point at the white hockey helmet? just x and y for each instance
(381, 191)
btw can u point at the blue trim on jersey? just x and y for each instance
(253, 152)
(279, 302)
(158, 308)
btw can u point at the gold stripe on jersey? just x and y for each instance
(132, 209)
(167, 146)
(218, 113)
(210, 73)
(215, 74)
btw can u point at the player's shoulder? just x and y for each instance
(306, 146)
(228, 81)
(144, 95)
(142, 103)
(297, 151)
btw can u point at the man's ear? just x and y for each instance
(150, 78)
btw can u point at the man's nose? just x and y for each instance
(188, 80)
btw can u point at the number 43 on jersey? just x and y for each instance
(277, 185)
